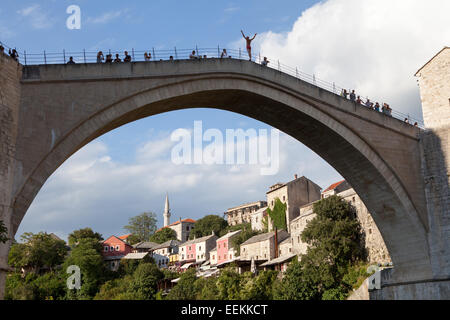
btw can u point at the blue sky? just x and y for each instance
(372, 46)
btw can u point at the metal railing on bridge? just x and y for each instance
(84, 56)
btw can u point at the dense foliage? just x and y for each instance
(142, 226)
(85, 233)
(278, 215)
(165, 234)
(335, 240)
(333, 266)
(205, 226)
(37, 252)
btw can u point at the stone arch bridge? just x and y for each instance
(48, 112)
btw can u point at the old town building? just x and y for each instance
(294, 194)
(225, 250)
(262, 246)
(162, 252)
(242, 213)
(114, 249)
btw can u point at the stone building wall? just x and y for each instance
(374, 243)
(262, 250)
(10, 88)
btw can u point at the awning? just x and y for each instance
(186, 265)
(278, 260)
(176, 280)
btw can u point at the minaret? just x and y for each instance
(166, 212)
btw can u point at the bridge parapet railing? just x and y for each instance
(84, 56)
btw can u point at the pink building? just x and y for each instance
(225, 251)
(187, 252)
(115, 249)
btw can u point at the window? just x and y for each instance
(230, 256)
(106, 249)
(214, 257)
(200, 248)
(284, 198)
(117, 248)
(111, 248)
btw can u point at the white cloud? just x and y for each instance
(37, 17)
(374, 47)
(106, 17)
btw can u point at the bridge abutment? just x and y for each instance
(10, 89)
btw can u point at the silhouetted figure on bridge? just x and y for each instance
(13, 54)
(193, 55)
(265, 62)
(100, 57)
(344, 93)
(127, 57)
(71, 61)
(117, 59)
(369, 104)
(109, 58)
(224, 54)
(249, 44)
(147, 56)
(353, 95)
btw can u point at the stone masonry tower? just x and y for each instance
(166, 212)
(434, 81)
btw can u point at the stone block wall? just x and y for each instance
(10, 75)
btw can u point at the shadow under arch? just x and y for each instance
(341, 146)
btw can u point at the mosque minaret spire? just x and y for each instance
(166, 212)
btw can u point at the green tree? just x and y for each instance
(86, 255)
(143, 285)
(261, 286)
(206, 225)
(335, 244)
(165, 234)
(38, 251)
(185, 288)
(278, 214)
(229, 284)
(3, 232)
(296, 284)
(115, 289)
(85, 233)
(142, 226)
(49, 286)
(206, 289)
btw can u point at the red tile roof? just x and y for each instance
(124, 236)
(177, 222)
(333, 186)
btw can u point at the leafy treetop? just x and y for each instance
(142, 226)
(206, 225)
(164, 235)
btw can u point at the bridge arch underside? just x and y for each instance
(341, 146)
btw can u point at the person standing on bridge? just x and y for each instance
(249, 44)
(100, 57)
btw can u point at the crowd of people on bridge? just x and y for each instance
(385, 109)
